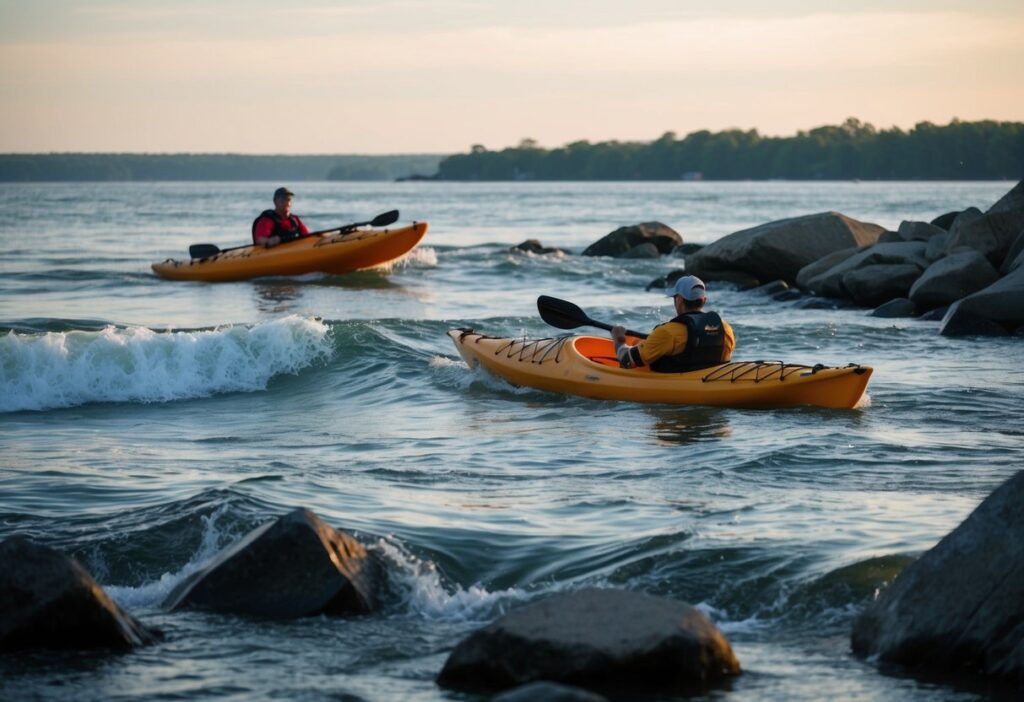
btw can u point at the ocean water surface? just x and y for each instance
(144, 424)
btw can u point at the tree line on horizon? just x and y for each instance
(983, 150)
(84, 167)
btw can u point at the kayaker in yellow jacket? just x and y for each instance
(694, 339)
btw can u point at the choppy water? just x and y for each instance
(145, 423)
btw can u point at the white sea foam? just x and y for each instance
(421, 257)
(721, 619)
(136, 364)
(153, 593)
(864, 402)
(419, 585)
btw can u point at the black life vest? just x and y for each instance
(280, 230)
(705, 344)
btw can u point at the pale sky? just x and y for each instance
(412, 76)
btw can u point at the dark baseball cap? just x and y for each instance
(283, 192)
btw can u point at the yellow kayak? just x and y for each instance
(587, 366)
(340, 253)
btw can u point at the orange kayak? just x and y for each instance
(587, 366)
(339, 253)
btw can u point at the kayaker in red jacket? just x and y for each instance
(278, 225)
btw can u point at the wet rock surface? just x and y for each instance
(960, 607)
(618, 242)
(590, 638)
(294, 566)
(48, 600)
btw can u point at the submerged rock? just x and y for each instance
(48, 600)
(900, 307)
(664, 237)
(780, 249)
(593, 638)
(535, 247)
(773, 288)
(294, 566)
(960, 607)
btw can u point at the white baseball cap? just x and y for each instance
(689, 287)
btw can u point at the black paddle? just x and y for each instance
(565, 315)
(381, 220)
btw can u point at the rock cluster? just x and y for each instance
(644, 240)
(967, 266)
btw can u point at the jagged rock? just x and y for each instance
(873, 285)
(812, 270)
(900, 307)
(1001, 302)
(780, 249)
(887, 237)
(535, 247)
(48, 600)
(993, 232)
(548, 692)
(594, 637)
(918, 231)
(960, 607)
(1015, 256)
(684, 250)
(951, 278)
(645, 250)
(294, 566)
(935, 315)
(830, 283)
(936, 247)
(945, 221)
(625, 238)
(772, 288)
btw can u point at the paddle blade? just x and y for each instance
(384, 219)
(203, 250)
(562, 314)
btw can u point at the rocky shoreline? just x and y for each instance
(965, 268)
(958, 608)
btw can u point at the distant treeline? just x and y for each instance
(125, 167)
(853, 150)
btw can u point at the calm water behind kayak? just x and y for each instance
(145, 423)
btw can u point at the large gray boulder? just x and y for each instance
(813, 270)
(625, 238)
(951, 278)
(872, 285)
(960, 607)
(780, 249)
(1002, 303)
(294, 566)
(830, 282)
(592, 638)
(993, 232)
(48, 600)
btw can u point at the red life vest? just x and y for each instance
(280, 231)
